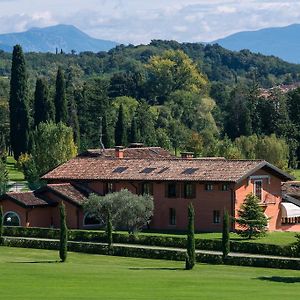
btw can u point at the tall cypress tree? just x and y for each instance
(225, 235)
(107, 139)
(73, 121)
(120, 130)
(18, 104)
(43, 105)
(134, 134)
(109, 230)
(63, 245)
(191, 255)
(61, 107)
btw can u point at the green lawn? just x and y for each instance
(35, 274)
(13, 173)
(275, 238)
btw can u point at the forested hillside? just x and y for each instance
(191, 97)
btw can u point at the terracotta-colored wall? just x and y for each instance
(271, 193)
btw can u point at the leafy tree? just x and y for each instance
(127, 210)
(121, 130)
(251, 218)
(63, 244)
(225, 235)
(172, 71)
(107, 139)
(163, 139)
(191, 254)
(18, 104)
(28, 166)
(134, 136)
(61, 106)
(228, 149)
(43, 105)
(53, 145)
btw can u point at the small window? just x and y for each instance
(216, 217)
(148, 170)
(171, 190)
(109, 187)
(189, 190)
(163, 170)
(209, 187)
(172, 216)
(258, 189)
(11, 219)
(147, 188)
(225, 187)
(120, 169)
(190, 171)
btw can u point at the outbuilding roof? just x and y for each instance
(27, 199)
(159, 169)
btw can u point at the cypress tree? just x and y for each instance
(63, 245)
(120, 130)
(225, 235)
(191, 255)
(107, 140)
(43, 106)
(1, 224)
(109, 230)
(134, 136)
(18, 104)
(61, 107)
(74, 122)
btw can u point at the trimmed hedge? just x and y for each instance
(178, 255)
(154, 240)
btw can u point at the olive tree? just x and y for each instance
(127, 210)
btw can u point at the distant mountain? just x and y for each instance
(65, 37)
(283, 42)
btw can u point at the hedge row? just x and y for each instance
(154, 240)
(178, 255)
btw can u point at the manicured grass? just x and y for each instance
(13, 173)
(296, 173)
(35, 274)
(274, 238)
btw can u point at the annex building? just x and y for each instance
(211, 184)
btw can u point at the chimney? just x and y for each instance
(187, 155)
(119, 152)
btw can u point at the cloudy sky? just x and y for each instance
(139, 21)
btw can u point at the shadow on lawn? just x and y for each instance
(280, 279)
(35, 262)
(163, 269)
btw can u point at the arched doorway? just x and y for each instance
(11, 218)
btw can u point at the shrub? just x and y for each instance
(63, 242)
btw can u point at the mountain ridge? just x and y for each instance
(48, 39)
(282, 42)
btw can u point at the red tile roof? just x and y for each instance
(100, 168)
(27, 198)
(70, 192)
(291, 188)
(142, 152)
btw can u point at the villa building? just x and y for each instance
(211, 184)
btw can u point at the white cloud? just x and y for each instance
(136, 21)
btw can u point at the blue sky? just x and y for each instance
(139, 21)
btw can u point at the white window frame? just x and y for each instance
(12, 212)
(262, 190)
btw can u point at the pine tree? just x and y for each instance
(18, 104)
(191, 255)
(43, 105)
(1, 225)
(63, 245)
(109, 230)
(120, 130)
(251, 218)
(61, 107)
(225, 235)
